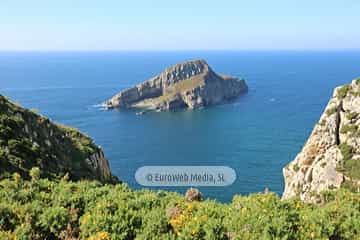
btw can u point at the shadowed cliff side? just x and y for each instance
(29, 140)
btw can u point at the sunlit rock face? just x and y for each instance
(330, 158)
(189, 85)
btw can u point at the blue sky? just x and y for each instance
(177, 25)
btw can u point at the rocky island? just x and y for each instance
(189, 85)
(330, 158)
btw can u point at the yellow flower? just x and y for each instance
(194, 232)
(85, 219)
(100, 236)
(189, 206)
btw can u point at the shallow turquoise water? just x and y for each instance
(256, 135)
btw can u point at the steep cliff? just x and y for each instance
(28, 140)
(331, 156)
(190, 85)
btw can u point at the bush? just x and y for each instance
(351, 128)
(34, 174)
(90, 210)
(346, 151)
(352, 115)
(7, 218)
(357, 81)
(53, 220)
(342, 91)
(331, 111)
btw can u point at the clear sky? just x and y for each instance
(180, 24)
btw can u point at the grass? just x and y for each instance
(173, 90)
(189, 84)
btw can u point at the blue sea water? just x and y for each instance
(256, 135)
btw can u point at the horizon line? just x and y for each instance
(182, 50)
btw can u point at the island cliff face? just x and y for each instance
(190, 85)
(29, 140)
(331, 157)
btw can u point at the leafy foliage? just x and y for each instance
(352, 115)
(342, 91)
(331, 111)
(349, 166)
(351, 128)
(45, 209)
(296, 168)
(346, 151)
(357, 81)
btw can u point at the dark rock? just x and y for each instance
(193, 195)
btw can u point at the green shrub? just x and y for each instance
(91, 210)
(7, 218)
(331, 111)
(357, 81)
(346, 151)
(352, 115)
(296, 168)
(53, 220)
(154, 224)
(34, 174)
(351, 128)
(352, 168)
(342, 91)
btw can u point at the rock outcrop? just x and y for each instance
(187, 85)
(28, 140)
(331, 157)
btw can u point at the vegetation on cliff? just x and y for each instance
(28, 139)
(43, 209)
(331, 156)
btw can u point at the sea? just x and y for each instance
(256, 135)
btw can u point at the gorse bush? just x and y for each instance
(45, 209)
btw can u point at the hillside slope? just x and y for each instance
(28, 140)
